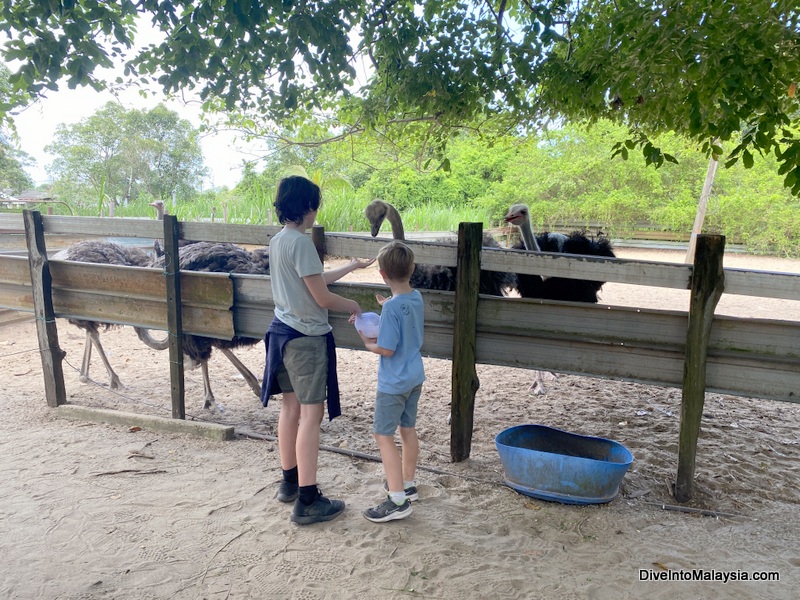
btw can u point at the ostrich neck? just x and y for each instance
(528, 238)
(396, 222)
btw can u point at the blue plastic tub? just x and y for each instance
(556, 465)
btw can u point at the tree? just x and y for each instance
(13, 178)
(706, 69)
(119, 154)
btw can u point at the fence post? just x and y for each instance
(464, 377)
(172, 275)
(708, 282)
(46, 331)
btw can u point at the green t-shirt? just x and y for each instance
(292, 256)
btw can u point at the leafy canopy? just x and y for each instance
(705, 69)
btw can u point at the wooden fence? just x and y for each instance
(695, 350)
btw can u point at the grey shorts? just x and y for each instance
(392, 410)
(305, 369)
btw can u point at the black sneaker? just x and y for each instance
(287, 491)
(411, 492)
(388, 511)
(320, 510)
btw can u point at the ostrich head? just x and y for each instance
(159, 206)
(376, 212)
(519, 215)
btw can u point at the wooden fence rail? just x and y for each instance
(747, 357)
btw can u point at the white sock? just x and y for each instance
(408, 484)
(398, 498)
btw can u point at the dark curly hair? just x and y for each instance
(295, 198)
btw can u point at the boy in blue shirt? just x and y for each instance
(400, 377)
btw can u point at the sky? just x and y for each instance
(37, 124)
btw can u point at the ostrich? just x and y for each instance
(555, 288)
(213, 257)
(435, 277)
(109, 253)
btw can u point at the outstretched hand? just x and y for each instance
(357, 263)
(381, 299)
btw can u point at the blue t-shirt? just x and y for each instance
(401, 329)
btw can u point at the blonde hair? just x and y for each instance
(396, 260)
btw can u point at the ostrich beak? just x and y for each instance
(375, 228)
(512, 216)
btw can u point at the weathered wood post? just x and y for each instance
(318, 237)
(708, 282)
(46, 331)
(464, 377)
(172, 276)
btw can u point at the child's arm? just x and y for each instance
(371, 344)
(327, 299)
(337, 274)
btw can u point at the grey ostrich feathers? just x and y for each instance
(212, 257)
(108, 253)
(436, 277)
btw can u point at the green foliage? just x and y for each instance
(13, 178)
(117, 155)
(711, 70)
(711, 75)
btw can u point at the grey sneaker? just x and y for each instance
(411, 492)
(388, 511)
(320, 510)
(287, 491)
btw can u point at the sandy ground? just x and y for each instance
(97, 511)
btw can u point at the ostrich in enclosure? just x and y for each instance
(214, 257)
(435, 277)
(555, 288)
(108, 253)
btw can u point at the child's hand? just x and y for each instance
(352, 318)
(381, 299)
(365, 339)
(360, 264)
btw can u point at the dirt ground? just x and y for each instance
(98, 511)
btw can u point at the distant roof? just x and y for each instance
(33, 195)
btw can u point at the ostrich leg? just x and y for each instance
(210, 402)
(537, 387)
(251, 379)
(114, 383)
(87, 357)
